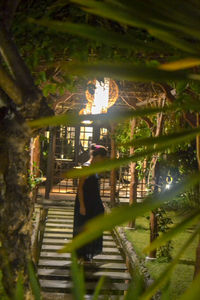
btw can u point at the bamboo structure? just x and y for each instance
(134, 177)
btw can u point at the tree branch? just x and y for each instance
(145, 119)
(189, 117)
(9, 8)
(16, 64)
(10, 87)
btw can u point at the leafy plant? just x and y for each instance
(164, 221)
(33, 178)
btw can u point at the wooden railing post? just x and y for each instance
(50, 162)
(113, 172)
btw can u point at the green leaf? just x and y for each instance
(78, 279)
(180, 64)
(119, 215)
(126, 41)
(19, 292)
(34, 282)
(43, 76)
(69, 118)
(190, 220)
(74, 119)
(123, 71)
(110, 164)
(174, 138)
(166, 291)
(193, 292)
(98, 288)
(164, 142)
(164, 276)
(136, 286)
(150, 15)
(46, 90)
(173, 40)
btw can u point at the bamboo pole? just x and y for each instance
(134, 175)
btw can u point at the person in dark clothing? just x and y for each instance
(88, 204)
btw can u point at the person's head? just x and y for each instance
(97, 152)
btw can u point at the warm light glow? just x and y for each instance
(101, 97)
(88, 122)
(168, 186)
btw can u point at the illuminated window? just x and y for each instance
(65, 142)
(103, 132)
(86, 134)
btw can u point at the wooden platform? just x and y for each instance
(54, 268)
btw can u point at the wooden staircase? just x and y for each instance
(54, 268)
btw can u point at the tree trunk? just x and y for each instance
(21, 101)
(134, 175)
(197, 261)
(153, 217)
(133, 190)
(113, 172)
(15, 206)
(153, 231)
(155, 181)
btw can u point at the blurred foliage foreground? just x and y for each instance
(161, 40)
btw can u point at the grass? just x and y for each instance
(183, 273)
(2, 293)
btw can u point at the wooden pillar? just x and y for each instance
(50, 162)
(77, 139)
(35, 164)
(143, 183)
(134, 175)
(35, 156)
(113, 173)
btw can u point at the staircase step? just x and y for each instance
(100, 257)
(58, 247)
(64, 263)
(63, 241)
(67, 285)
(67, 274)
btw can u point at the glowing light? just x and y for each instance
(168, 186)
(101, 96)
(87, 122)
